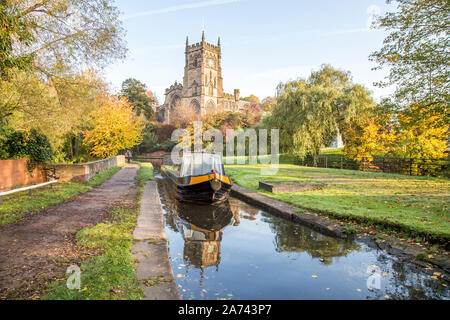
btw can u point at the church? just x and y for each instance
(201, 92)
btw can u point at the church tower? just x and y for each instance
(202, 81)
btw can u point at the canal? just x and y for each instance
(237, 251)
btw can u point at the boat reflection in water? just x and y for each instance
(201, 227)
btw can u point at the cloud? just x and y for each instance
(192, 5)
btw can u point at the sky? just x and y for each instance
(263, 41)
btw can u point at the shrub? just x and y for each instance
(16, 144)
(19, 144)
(38, 147)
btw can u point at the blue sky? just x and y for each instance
(263, 41)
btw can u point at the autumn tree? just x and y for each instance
(416, 52)
(137, 95)
(114, 128)
(252, 98)
(268, 102)
(402, 136)
(48, 40)
(58, 108)
(69, 33)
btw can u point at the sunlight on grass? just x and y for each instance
(417, 205)
(110, 275)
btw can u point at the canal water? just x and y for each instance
(237, 251)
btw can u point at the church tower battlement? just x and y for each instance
(202, 88)
(202, 81)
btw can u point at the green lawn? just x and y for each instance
(332, 151)
(15, 206)
(110, 275)
(416, 205)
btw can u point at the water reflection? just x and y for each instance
(236, 251)
(201, 227)
(294, 238)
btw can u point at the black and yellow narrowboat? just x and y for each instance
(198, 177)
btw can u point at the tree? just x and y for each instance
(136, 94)
(417, 54)
(268, 102)
(44, 42)
(310, 112)
(63, 35)
(252, 98)
(114, 128)
(400, 135)
(58, 108)
(13, 30)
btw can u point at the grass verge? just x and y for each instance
(111, 274)
(418, 206)
(15, 206)
(145, 172)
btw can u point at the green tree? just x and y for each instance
(310, 112)
(417, 54)
(136, 94)
(13, 31)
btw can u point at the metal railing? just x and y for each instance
(408, 166)
(29, 188)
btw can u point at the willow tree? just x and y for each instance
(310, 112)
(417, 54)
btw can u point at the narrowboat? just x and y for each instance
(198, 177)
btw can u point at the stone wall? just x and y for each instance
(14, 174)
(81, 172)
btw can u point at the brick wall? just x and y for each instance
(14, 174)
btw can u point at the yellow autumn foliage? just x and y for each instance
(114, 127)
(418, 136)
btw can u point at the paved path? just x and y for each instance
(150, 250)
(29, 248)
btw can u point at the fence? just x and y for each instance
(409, 166)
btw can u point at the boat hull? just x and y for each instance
(208, 191)
(203, 192)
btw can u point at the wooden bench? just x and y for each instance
(29, 188)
